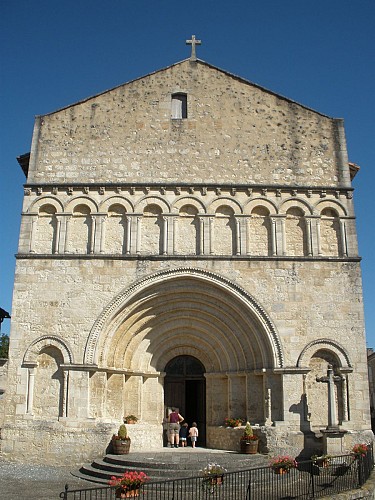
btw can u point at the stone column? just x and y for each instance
(247, 234)
(56, 244)
(30, 388)
(174, 234)
(308, 236)
(128, 221)
(344, 245)
(65, 390)
(238, 235)
(138, 234)
(92, 233)
(67, 235)
(318, 237)
(34, 219)
(344, 395)
(273, 236)
(164, 235)
(211, 235)
(103, 226)
(283, 236)
(201, 236)
(169, 237)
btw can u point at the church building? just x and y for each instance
(187, 239)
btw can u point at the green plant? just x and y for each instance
(122, 433)
(128, 418)
(248, 434)
(283, 462)
(4, 346)
(233, 422)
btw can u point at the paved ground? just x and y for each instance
(35, 482)
(41, 482)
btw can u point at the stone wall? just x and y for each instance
(235, 132)
(228, 236)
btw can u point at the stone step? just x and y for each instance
(167, 464)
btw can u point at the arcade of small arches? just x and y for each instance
(188, 227)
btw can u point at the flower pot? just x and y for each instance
(280, 471)
(217, 480)
(249, 447)
(131, 421)
(323, 462)
(121, 446)
(120, 493)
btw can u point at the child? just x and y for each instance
(183, 434)
(193, 434)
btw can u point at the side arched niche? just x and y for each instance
(317, 357)
(43, 360)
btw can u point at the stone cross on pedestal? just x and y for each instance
(193, 42)
(330, 379)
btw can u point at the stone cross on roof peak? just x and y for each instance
(193, 42)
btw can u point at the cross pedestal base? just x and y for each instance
(333, 441)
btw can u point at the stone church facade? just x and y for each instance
(187, 239)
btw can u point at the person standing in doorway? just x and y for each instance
(193, 434)
(174, 427)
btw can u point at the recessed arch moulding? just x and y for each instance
(186, 312)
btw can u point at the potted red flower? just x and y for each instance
(233, 422)
(282, 464)
(129, 484)
(360, 450)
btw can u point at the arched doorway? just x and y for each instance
(185, 389)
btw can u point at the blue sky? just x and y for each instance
(317, 52)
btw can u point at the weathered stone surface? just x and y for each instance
(228, 236)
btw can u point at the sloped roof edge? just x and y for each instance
(200, 61)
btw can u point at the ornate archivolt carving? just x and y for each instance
(118, 304)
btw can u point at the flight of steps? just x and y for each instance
(168, 464)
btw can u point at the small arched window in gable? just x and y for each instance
(179, 106)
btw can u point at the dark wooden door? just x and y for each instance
(185, 389)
